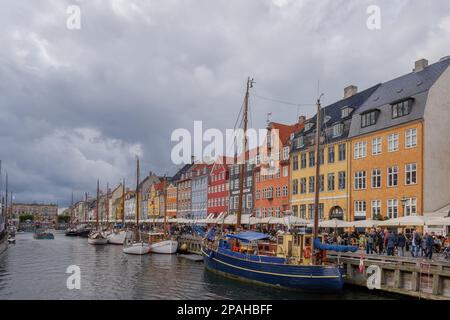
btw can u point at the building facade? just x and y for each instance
(40, 212)
(184, 194)
(218, 188)
(400, 146)
(200, 176)
(272, 176)
(334, 158)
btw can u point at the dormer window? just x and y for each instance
(369, 118)
(326, 119)
(401, 108)
(308, 126)
(300, 141)
(338, 130)
(345, 112)
(292, 136)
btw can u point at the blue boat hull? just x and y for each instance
(298, 277)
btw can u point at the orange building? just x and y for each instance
(399, 146)
(272, 178)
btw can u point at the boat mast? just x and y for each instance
(137, 192)
(71, 209)
(107, 203)
(6, 197)
(317, 182)
(85, 207)
(98, 187)
(123, 202)
(242, 165)
(165, 204)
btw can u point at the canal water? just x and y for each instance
(36, 269)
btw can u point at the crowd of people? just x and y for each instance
(386, 242)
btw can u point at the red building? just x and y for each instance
(218, 187)
(272, 188)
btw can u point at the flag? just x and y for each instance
(361, 264)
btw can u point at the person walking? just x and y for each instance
(429, 243)
(401, 242)
(390, 242)
(370, 241)
(416, 241)
(423, 246)
(380, 242)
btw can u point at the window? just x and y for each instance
(300, 142)
(321, 183)
(401, 108)
(311, 184)
(360, 208)
(311, 210)
(392, 208)
(393, 142)
(303, 185)
(258, 194)
(295, 186)
(285, 191)
(341, 178)
(303, 160)
(285, 153)
(393, 176)
(360, 180)
(257, 175)
(368, 118)
(376, 146)
(411, 207)
(278, 192)
(331, 154)
(249, 181)
(295, 163)
(345, 112)
(321, 207)
(376, 208)
(330, 182)
(342, 152)
(308, 126)
(295, 211)
(249, 201)
(376, 178)
(338, 130)
(411, 138)
(312, 161)
(285, 171)
(411, 173)
(321, 156)
(360, 150)
(303, 211)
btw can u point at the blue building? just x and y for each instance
(200, 173)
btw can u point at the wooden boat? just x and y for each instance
(295, 260)
(97, 237)
(71, 232)
(160, 243)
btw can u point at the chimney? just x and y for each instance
(421, 64)
(192, 159)
(350, 91)
(301, 119)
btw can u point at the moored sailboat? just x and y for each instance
(134, 243)
(118, 235)
(97, 237)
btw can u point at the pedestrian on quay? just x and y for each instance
(416, 241)
(380, 242)
(370, 241)
(401, 243)
(390, 243)
(429, 243)
(423, 246)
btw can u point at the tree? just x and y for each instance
(25, 217)
(63, 219)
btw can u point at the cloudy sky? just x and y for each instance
(77, 105)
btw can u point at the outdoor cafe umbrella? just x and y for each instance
(439, 221)
(369, 223)
(334, 223)
(404, 221)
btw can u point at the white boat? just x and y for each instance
(138, 248)
(117, 237)
(97, 238)
(165, 246)
(160, 244)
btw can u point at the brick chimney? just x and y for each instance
(301, 119)
(421, 64)
(350, 91)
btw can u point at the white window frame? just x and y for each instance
(410, 138)
(360, 149)
(394, 172)
(376, 176)
(360, 180)
(393, 142)
(410, 207)
(375, 204)
(409, 171)
(392, 208)
(360, 207)
(376, 146)
(285, 153)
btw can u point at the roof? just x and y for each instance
(413, 85)
(249, 236)
(332, 114)
(185, 168)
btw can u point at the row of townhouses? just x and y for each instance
(384, 152)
